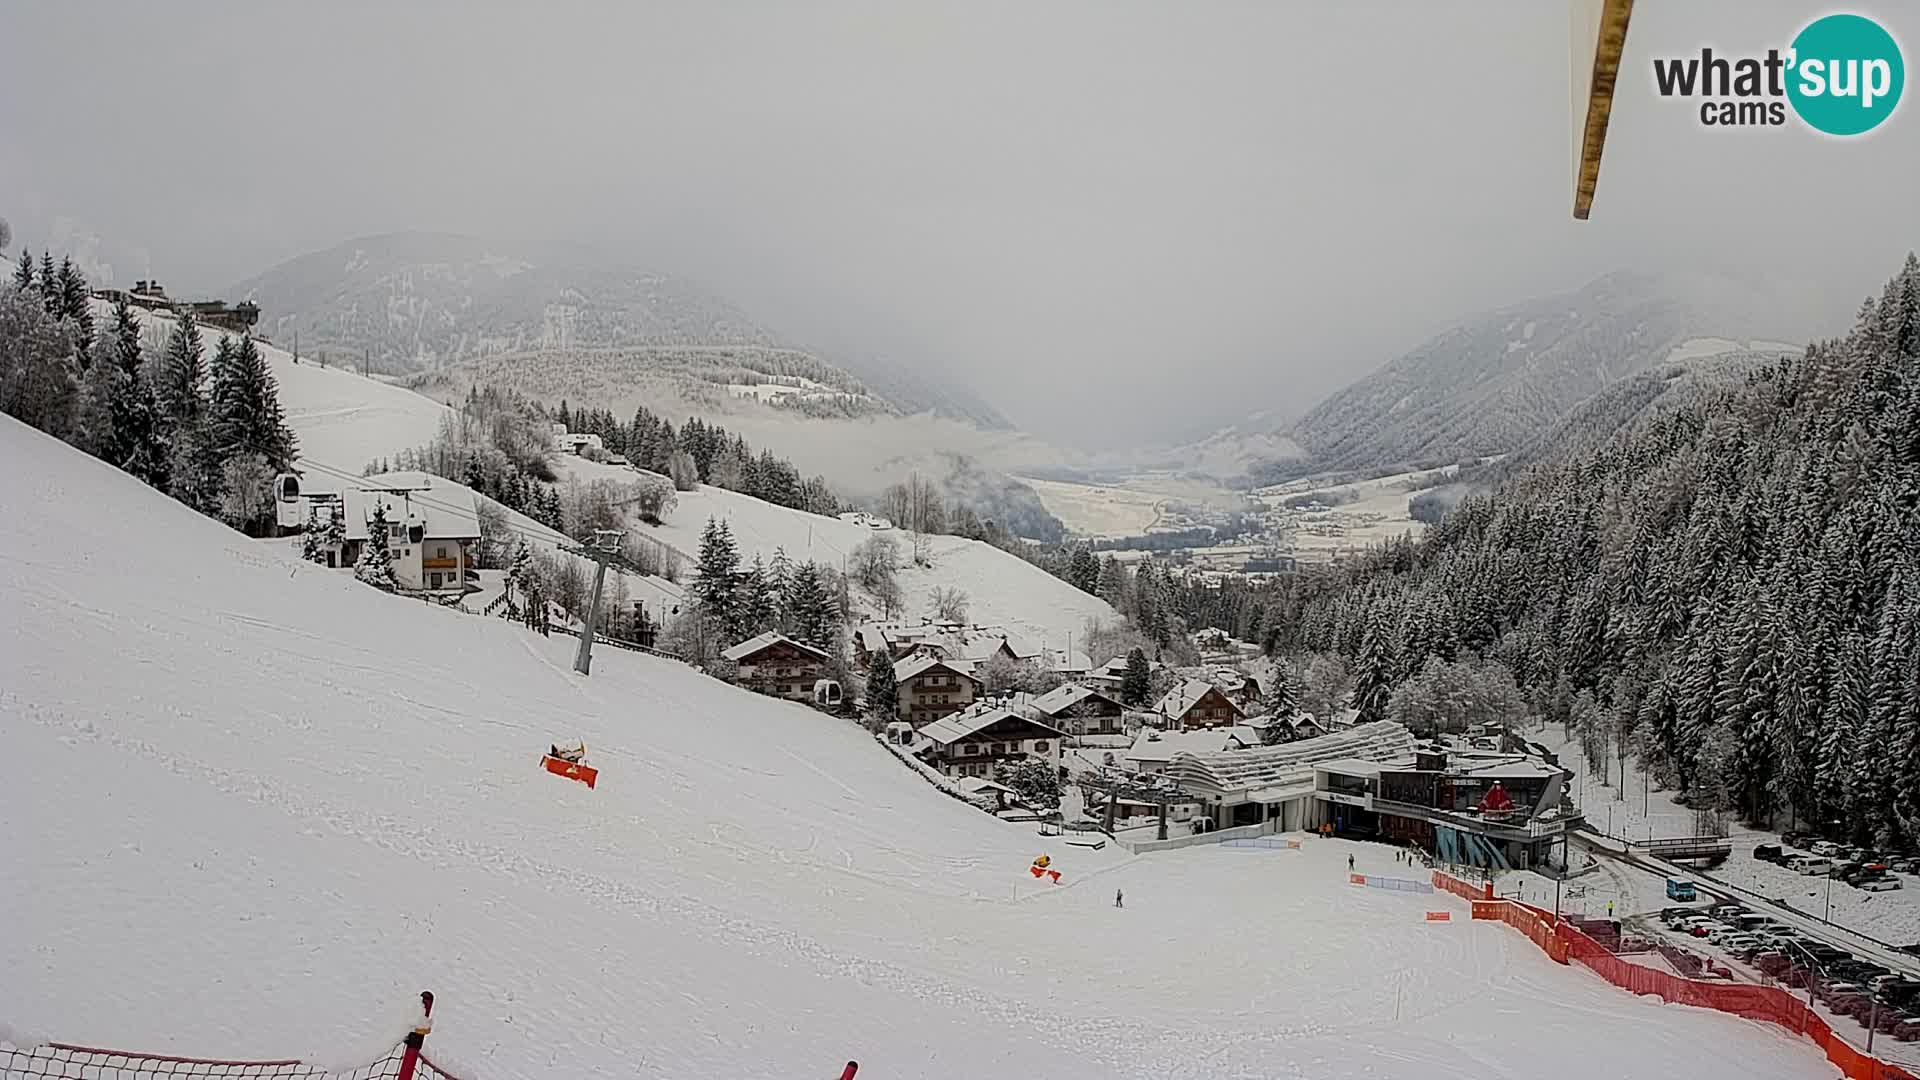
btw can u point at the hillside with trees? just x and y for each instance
(1727, 588)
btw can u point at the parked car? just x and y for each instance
(1826, 848)
(1819, 866)
(1880, 884)
(1768, 852)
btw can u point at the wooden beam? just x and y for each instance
(1608, 43)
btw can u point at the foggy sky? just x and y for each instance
(1117, 222)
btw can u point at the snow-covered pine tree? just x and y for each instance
(49, 284)
(249, 414)
(1374, 676)
(376, 560)
(310, 537)
(1084, 571)
(883, 693)
(713, 580)
(779, 585)
(1136, 683)
(23, 271)
(335, 536)
(183, 375)
(96, 432)
(1283, 698)
(753, 602)
(811, 607)
(76, 307)
(226, 399)
(518, 570)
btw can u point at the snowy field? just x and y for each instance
(1002, 589)
(250, 808)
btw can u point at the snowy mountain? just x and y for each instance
(411, 301)
(1499, 379)
(251, 808)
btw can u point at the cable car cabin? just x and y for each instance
(827, 694)
(290, 510)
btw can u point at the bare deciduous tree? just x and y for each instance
(949, 604)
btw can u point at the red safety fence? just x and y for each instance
(1767, 1003)
(1531, 921)
(1771, 1004)
(1465, 890)
(64, 1060)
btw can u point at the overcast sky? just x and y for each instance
(1115, 221)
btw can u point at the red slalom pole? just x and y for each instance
(410, 1057)
(847, 1073)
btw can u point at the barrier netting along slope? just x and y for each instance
(1565, 943)
(93, 1063)
(406, 1061)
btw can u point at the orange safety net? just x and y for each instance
(1767, 1003)
(1465, 890)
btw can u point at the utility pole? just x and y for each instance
(605, 551)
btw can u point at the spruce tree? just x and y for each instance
(1283, 699)
(49, 284)
(811, 607)
(1136, 683)
(376, 561)
(23, 271)
(753, 608)
(183, 373)
(1374, 677)
(883, 694)
(713, 582)
(76, 306)
(310, 537)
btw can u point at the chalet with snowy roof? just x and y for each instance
(931, 688)
(869, 640)
(971, 743)
(1198, 703)
(772, 663)
(432, 527)
(1080, 710)
(1153, 750)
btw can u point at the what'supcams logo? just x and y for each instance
(1842, 75)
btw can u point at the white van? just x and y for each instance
(1816, 866)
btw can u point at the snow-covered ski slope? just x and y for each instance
(249, 808)
(1002, 590)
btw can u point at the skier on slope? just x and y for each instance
(1349, 864)
(1118, 900)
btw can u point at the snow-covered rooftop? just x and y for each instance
(1287, 763)
(1066, 696)
(921, 663)
(762, 640)
(963, 725)
(1184, 697)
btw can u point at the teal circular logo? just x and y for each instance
(1845, 74)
